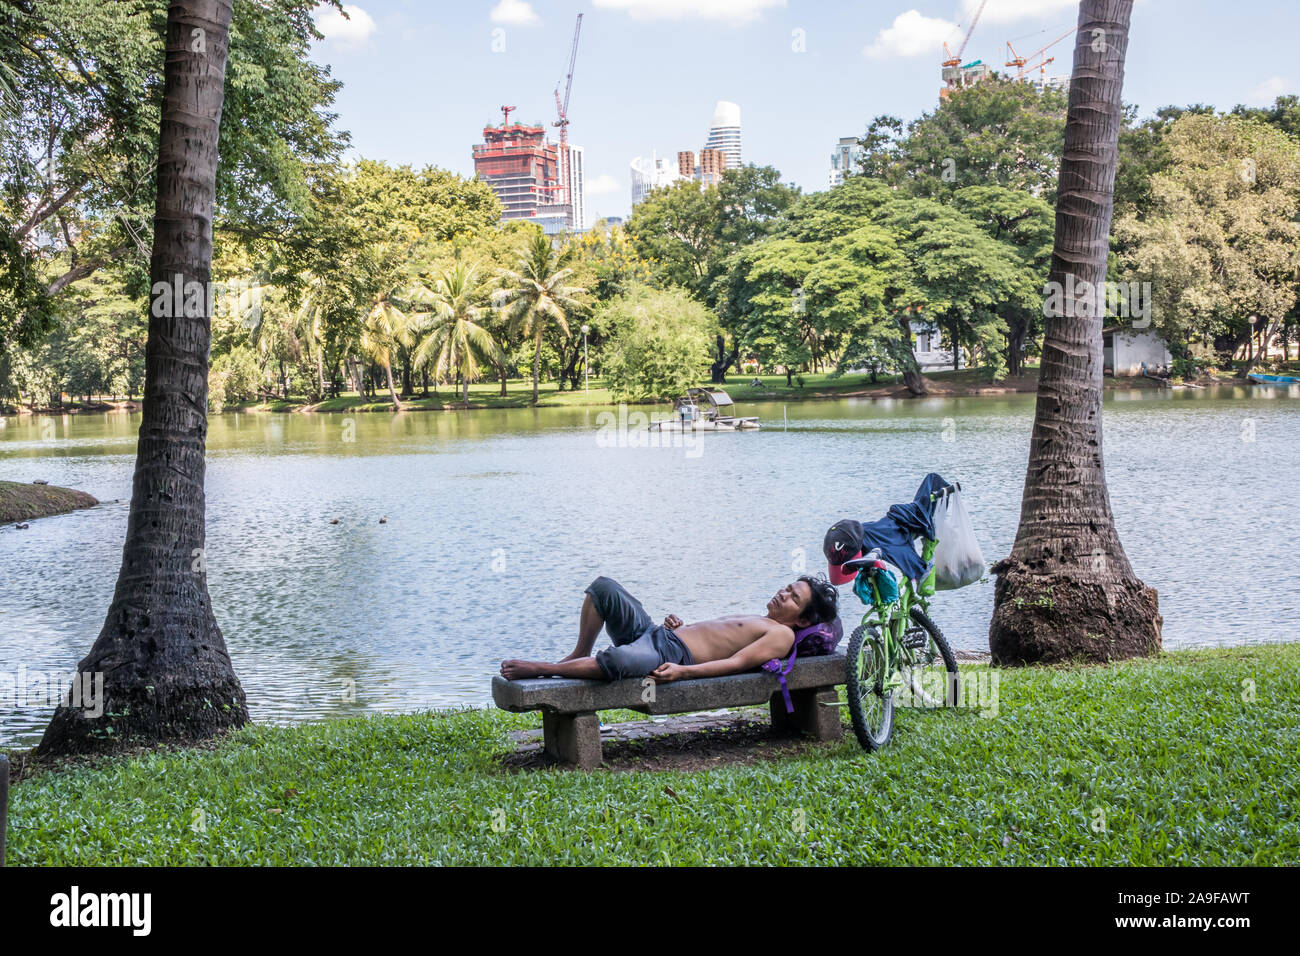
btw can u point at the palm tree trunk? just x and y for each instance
(1067, 591)
(392, 390)
(165, 671)
(537, 364)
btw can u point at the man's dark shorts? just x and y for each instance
(640, 645)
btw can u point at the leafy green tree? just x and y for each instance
(751, 201)
(77, 154)
(1022, 224)
(658, 343)
(1142, 154)
(1001, 132)
(1220, 243)
(234, 377)
(688, 233)
(536, 297)
(1284, 114)
(676, 228)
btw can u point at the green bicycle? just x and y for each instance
(896, 649)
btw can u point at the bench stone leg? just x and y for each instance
(572, 738)
(809, 717)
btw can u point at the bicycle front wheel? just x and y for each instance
(870, 705)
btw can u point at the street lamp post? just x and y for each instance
(586, 366)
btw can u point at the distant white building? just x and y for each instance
(724, 134)
(1125, 349)
(557, 218)
(930, 354)
(652, 173)
(577, 189)
(846, 159)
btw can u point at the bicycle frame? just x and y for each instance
(891, 618)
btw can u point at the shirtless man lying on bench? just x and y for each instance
(674, 650)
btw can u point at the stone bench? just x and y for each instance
(571, 733)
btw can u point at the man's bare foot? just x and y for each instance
(520, 670)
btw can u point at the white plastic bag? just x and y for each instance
(958, 560)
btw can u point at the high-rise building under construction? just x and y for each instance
(524, 170)
(521, 167)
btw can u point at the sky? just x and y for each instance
(422, 77)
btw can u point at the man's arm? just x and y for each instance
(776, 641)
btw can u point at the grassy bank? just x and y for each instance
(771, 388)
(21, 502)
(1145, 762)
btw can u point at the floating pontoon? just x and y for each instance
(705, 409)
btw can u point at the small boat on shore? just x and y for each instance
(1259, 379)
(705, 410)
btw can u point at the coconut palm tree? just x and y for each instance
(1067, 590)
(160, 654)
(535, 297)
(386, 329)
(453, 342)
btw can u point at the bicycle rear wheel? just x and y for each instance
(930, 671)
(870, 706)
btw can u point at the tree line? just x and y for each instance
(391, 281)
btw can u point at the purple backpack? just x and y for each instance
(816, 641)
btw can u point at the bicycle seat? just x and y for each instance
(857, 564)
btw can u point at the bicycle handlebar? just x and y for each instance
(946, 490)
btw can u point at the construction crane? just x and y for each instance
(562, 108)
(948, 58)
(1024, 64)
(505, 112)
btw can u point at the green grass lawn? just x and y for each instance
(519, 394)
(827, 385)
(1150, 762)
(20, 501)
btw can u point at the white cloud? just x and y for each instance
(517, 13)
(603, 186)
(1269, 90)
(912, 34)
(1012, 11)
(731, 11)
(352, 30)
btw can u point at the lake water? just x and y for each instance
(497, 520)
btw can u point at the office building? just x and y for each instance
(846, 159)
(724, 134)
(653, 172)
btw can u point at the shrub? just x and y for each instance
(659, 343)
(233, 377)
